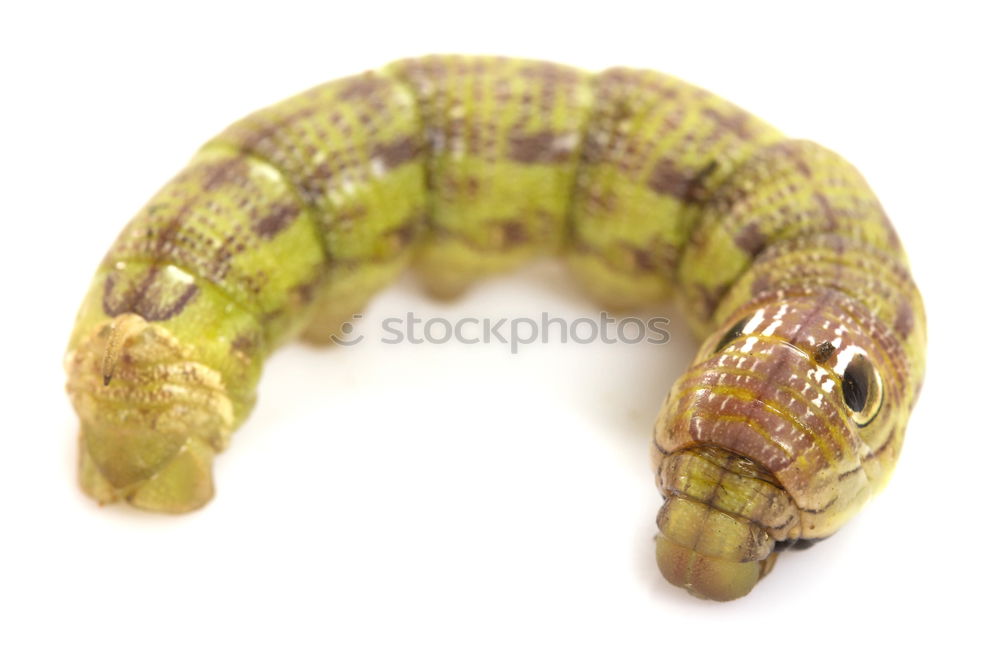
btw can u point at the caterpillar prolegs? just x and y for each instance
(284, 225)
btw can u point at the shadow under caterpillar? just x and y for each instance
(791, 416)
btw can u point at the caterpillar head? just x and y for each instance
(811, 400)
(151, 418)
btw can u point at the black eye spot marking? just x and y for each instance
(734, 332)
(855, 388)
(862, 390)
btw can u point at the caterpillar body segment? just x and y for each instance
(502, 142)
(791, 416)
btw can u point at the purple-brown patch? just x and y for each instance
(658, 257)
(750, 239)
(217, 174)
(276, 220)
(362, 87)
(668, 178)
(397, 152)
(904, 321)
(829, 214)
(513, 232)
(156, 297)
(541, 147)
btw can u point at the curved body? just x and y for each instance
(283, 225)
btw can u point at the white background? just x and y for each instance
(460, 505)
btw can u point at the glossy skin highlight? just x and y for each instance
(288, 221)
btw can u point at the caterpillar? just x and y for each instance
(790, 417)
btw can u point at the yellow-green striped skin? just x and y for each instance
(286, 223)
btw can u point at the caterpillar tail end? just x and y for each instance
(710, 554)
(151, 417)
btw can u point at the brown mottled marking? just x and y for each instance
(276, 220)
(307, 290)
(552, 73)
(657, 257)
(411, 228)
(361, 87)
(398, 152)
(514, 232)
(668, 179)
(828, 213)
(751, 239)
(155, 300)
(904, 318)
(794, 154)
(598, 201)
(351, 212)
(245, 344)
(221, 173)
(643, 259)
(736, 122)
(536, 148)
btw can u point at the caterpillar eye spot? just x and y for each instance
(862, 390)
(734, 332)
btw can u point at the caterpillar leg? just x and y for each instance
(327, 324)
(345, 295)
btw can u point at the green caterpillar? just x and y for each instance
(791, 416)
